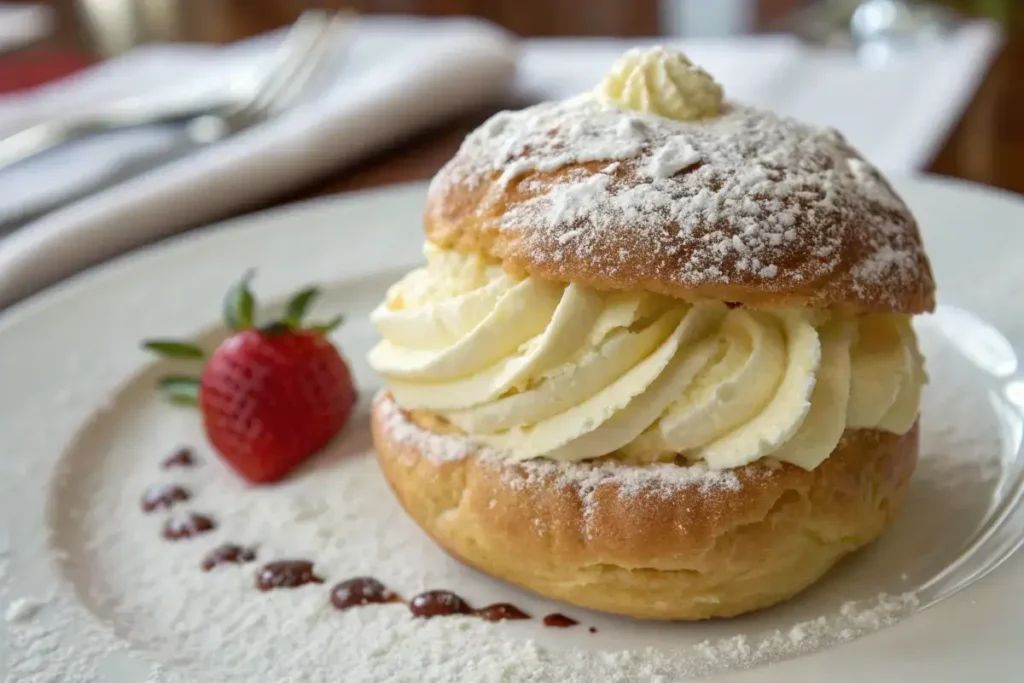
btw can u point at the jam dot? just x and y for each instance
(438, 604)
(183, 457)
(286, 574)
(592, 629)
(163, 496)
(186, 526)
(501, 612)
(361, 591)
(229, 553)
(559, 621)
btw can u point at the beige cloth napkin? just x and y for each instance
(396, 76)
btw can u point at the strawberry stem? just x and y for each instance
(170, 348)
(275, 328)
(180, 390)
(239, 304)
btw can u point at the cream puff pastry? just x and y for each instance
(660, 360)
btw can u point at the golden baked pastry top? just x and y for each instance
(746, 207)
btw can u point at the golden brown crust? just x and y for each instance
(773, 214)
(694, 552)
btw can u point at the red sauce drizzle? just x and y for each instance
(286, 574)
(559, 621)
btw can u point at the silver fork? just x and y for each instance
(295, 64)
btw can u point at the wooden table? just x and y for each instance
(987, 145)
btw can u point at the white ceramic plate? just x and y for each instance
(90, 591)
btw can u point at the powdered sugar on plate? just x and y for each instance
(855, 618)
(746, 196)
(22, 609)
(339, 514)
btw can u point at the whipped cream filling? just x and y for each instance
(542, 369)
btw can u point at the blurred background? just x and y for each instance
(119, 24)
(917, 86)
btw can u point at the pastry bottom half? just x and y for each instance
(647, 544)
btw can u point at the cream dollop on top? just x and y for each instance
(663, 82)
(541, 369)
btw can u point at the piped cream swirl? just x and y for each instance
(664, 82)
(540, 369)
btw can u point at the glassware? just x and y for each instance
(874, 29)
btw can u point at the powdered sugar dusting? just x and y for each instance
(631, 482)
(658, 479)
(675, 156)
(437, 447)
(22, 609)
(855, 618)
(747, 195)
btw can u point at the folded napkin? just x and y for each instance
(896, 113)
(395, 76)
(22, 23)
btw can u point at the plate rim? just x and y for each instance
(53, 293)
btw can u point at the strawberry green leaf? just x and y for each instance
(298, 305)
(180, 390)
(168, 348)
(239, 304)
(329, 326)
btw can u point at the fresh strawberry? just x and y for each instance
(270, 396)
(270, 400)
